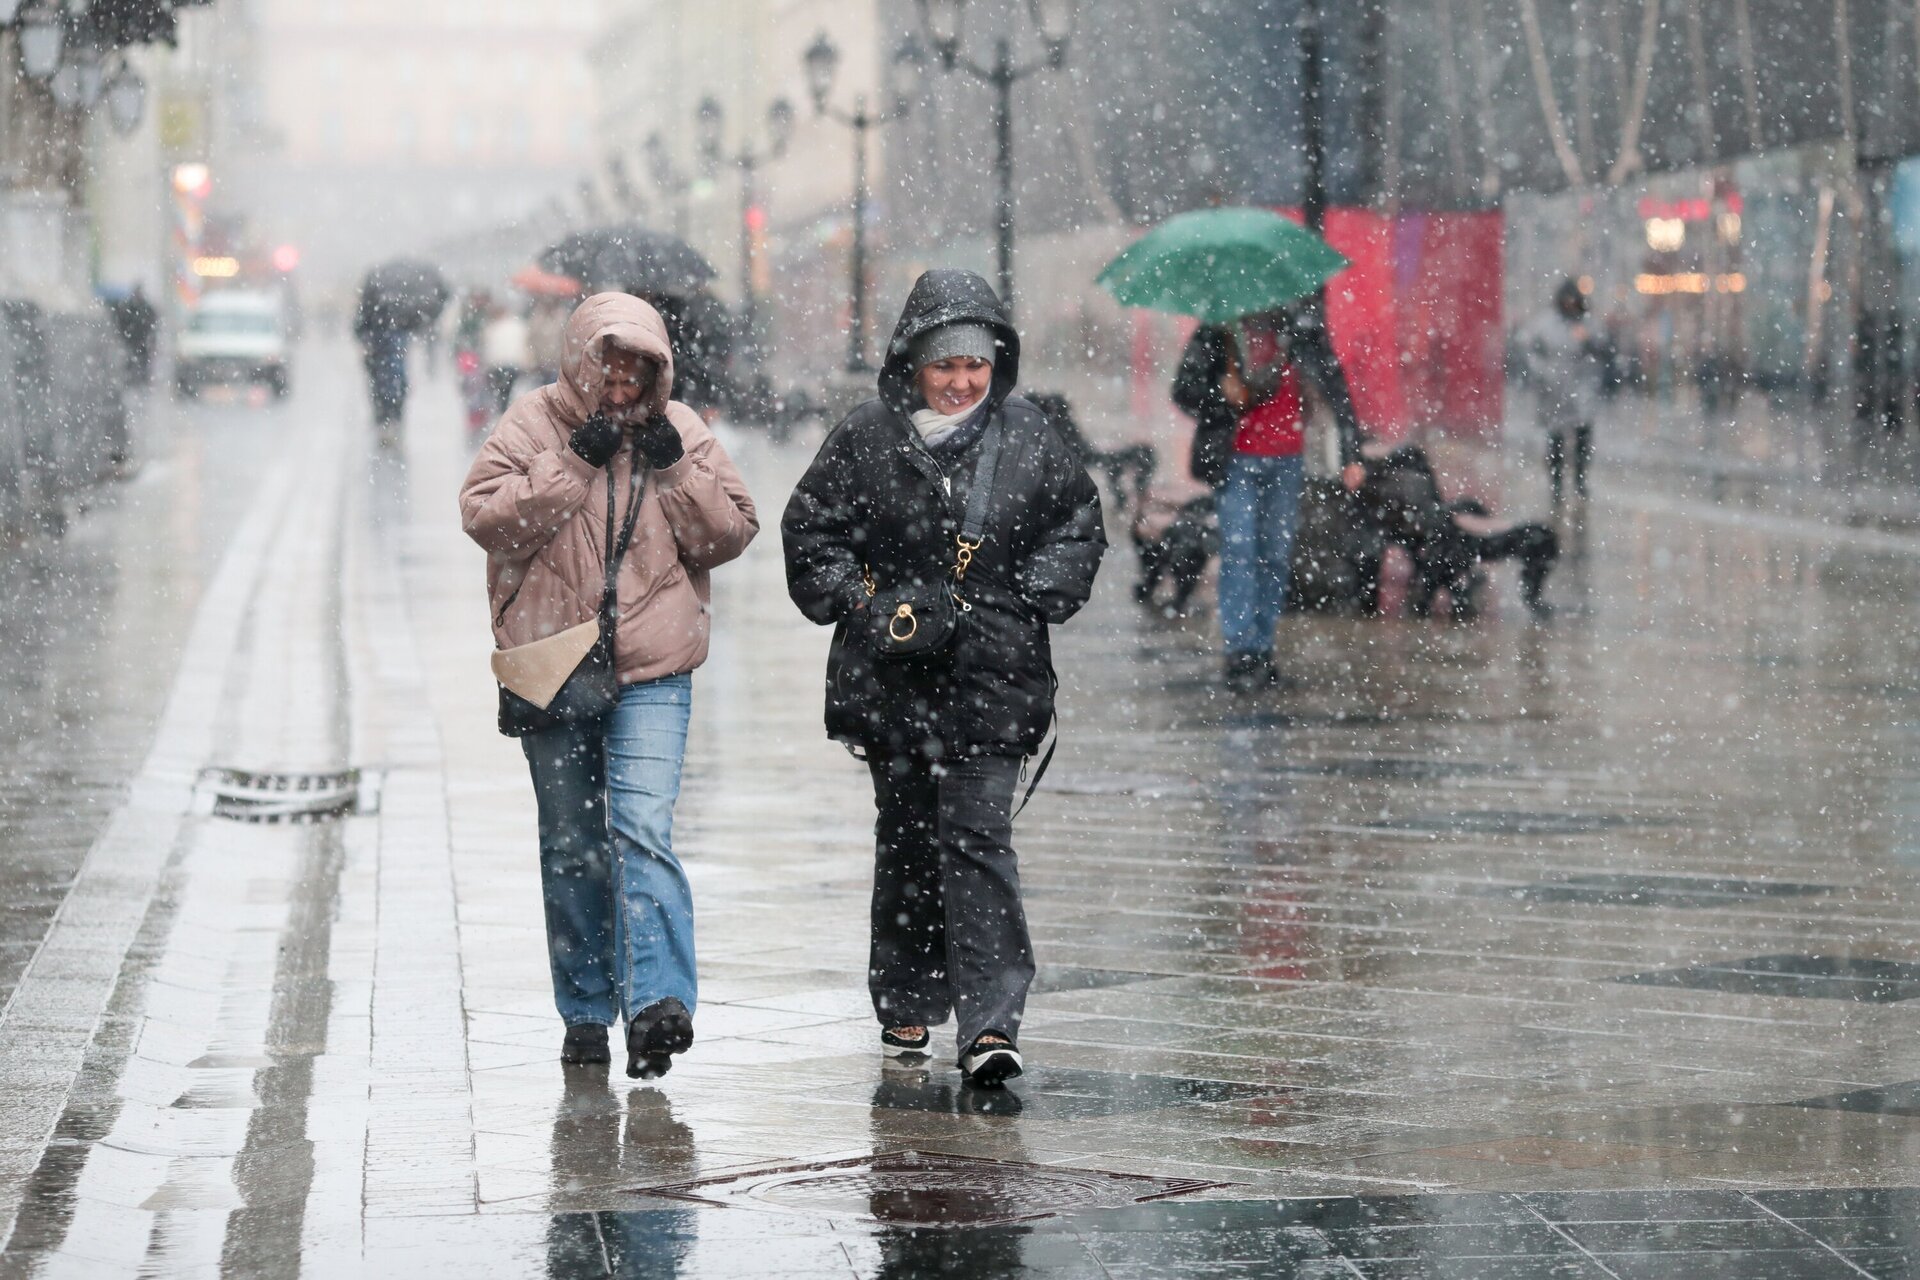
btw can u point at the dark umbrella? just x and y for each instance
(629, 258)
(405, 293)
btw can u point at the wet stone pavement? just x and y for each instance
(1586, 949)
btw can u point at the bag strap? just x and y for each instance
(1053, 724)
(973, 527)
(614, 555)
(617, 551)
(1045, 760)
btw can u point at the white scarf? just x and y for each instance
(935, 427)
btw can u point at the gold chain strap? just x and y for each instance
(963, 558)
(962, 561)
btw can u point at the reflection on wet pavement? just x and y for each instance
(1585, 949)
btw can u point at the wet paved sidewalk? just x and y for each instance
(1579, 950)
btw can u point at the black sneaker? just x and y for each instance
(1276, 678)
(655, 1034)
(585, 1042)
(1247, 672)
(990, 1063)
(896, 1045)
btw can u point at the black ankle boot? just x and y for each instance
(585, 1042)
(655, 1034)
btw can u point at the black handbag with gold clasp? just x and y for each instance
(922, 619)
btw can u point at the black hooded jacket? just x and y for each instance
(876, 499)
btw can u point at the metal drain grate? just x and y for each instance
(922, 1189)
(247, 796)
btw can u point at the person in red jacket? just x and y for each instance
(1258, 499)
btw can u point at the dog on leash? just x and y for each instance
(1174, 557)
(1127, 470)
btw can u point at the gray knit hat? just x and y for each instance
(950, 340)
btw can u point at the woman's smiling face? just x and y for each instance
(953, 384)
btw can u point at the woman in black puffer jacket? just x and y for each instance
(881, 509)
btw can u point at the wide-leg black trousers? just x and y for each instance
(949, 931)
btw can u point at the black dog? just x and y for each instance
(1176, 556)
(1128, 470)
(1449, 541)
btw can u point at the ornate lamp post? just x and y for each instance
(822, 61)
(1054, 19)
(126, 99)
(709, 125)
(43, 39)
(1313, 118)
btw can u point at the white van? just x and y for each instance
(233, 335)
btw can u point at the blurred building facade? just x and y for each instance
(393, 128)
(654, 63)
(86, 148)
(1464, 137)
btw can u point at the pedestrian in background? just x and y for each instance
(138, 324)
(546, 333)
(607, 447)
(1245, 385)
(469, 326)
(942, 528)
(1565, 361)
(505, 353)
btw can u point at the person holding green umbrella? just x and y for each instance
(1244, 379)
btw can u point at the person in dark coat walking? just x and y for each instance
(138, 325)
(881, 509)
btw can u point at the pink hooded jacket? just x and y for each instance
(540, 510)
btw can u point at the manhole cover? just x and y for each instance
(921, 1189)
(248, 796)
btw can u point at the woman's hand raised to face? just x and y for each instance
(658, 440)
(1235, 389)
(596, 440)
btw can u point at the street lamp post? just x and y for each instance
(1313, 119)
(1054, 18)
(822, 61)
(709, 121)
(42, 33)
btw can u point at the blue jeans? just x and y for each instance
(386, 358)
(1259, 505)
(619, 909)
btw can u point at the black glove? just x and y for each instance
(596, 440)
(659, 442)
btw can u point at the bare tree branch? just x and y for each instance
(1634, 117)
(1549, 101)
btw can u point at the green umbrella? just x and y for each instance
(1220, 264)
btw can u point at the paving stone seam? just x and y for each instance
(419, 1137)
(126, 861)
